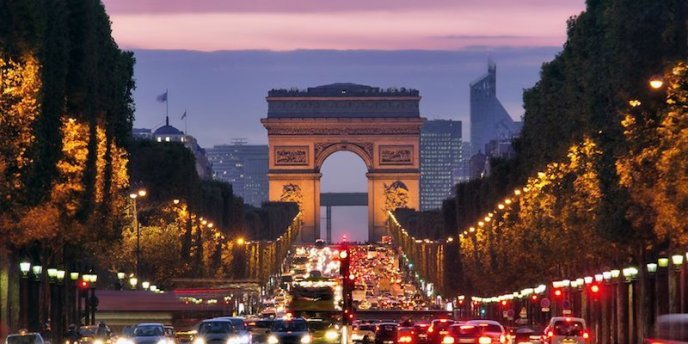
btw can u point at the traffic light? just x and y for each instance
(558, 292)
(83, 285)
(595, 291)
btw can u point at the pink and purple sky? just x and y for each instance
(209, 25)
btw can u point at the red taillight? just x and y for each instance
(550, 334)
(586, 335)
(430, 329)
(443, 320)
(448, 340)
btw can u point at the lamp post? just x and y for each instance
(52, 279)
(134, 196)
(677, 285)
(34, 297)
(93, 300)
(24, 267)
(649, 300)
(58, 320)
(133, 281)
(120, 280)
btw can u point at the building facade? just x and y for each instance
(245, 167)
(168, 133)
(441, 161)
(489, 119)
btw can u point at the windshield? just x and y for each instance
(263, 324)
(215, 327)
(27, 339)
(568, 328)
(148, 331)
(286, 326)
(87, 331)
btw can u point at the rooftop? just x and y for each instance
(344, 90)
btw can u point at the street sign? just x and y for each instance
(566, 304)
(510, 314)
(523, 313)
(545, 309)
(567, 312)
(544, 303)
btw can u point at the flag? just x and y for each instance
(184, 114)
(162, 98)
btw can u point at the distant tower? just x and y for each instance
(489, 119)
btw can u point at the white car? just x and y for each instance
(363, 333)
(567, 330)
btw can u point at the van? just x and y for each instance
(567, 330)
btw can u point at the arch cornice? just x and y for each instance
(324, 149)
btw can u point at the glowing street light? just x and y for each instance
(656, 82)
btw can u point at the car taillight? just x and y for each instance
(502, 339)
(550, 334)
(430, 329)
(405, 339)
(448, 340)
(586, 335)
(484, 340)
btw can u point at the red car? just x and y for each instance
(438, 329)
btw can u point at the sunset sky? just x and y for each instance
(219, 58)
(208, 25)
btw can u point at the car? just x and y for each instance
(146, 333)
(171, 334)
(406, 335)
(290, 331)
(437, 330)
(323, 332)
(421, 332)
(525, 335)
(363, 333)
(93, 334)
(216, 331)
(567, 330)
(670, 329)
(260, 329)
(489, 329)
(240, 326)
(24, 337)
(386, 333)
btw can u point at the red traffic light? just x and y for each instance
(352, 277)
(504, 302)
(595, 288)
(343, 254)
(83, 285)
(557, 292)
(534, 298)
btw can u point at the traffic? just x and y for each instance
(327, 294)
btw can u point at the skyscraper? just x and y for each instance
(245, 167)
(489, 119)
(440, 161)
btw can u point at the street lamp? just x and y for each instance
(24, 267)
(133, 281)
(134, 196)
(656, 82)
(37, 271)
(677, 260)
(145, 285)
(651, 267)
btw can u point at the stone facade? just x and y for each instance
(388, 145)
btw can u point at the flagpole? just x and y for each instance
(167, 103)
(186, 122)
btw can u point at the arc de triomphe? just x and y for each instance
(381, 126)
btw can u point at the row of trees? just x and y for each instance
(590, 160)
(606, 180)
(65, 118)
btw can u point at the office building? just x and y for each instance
(441, 161)
(245, 167)
(489, 119)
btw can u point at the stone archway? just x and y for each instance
(380, 126)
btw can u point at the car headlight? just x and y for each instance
(98, 341)
(233, 340)
(331, 335)
(199, 340)
(306, 339)
(273, 340)
(124, 341)
(161, 341)
(245, 339)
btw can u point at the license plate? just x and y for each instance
(569, 341)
